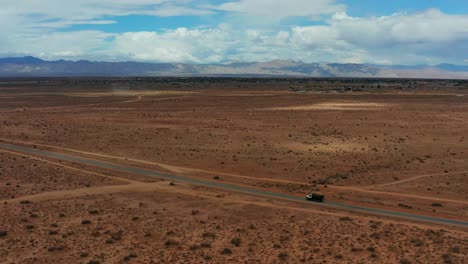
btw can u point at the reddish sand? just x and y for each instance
(389, 149)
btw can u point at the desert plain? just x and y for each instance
(395, 145)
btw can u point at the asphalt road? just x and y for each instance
(226, 186)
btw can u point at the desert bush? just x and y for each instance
(437, 205)
(405, 261)
(226, 251)
(208, 234)
(171, 243)
(447, 258)
(205, 245)
(405, 206)
(346, 218)
(93, 212)
(117, 235)
(3, 233)
(86, 222)
(56, 248)
(194, 247)
(417, 242)
(283, 255)
(130, 256)
(236, 241)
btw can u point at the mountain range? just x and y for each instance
(35, 67)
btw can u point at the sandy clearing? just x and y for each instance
(342, 106)
(325, 146)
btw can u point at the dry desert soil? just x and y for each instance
(396, 145)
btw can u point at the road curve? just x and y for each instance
(226, 186)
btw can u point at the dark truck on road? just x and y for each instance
(315, 197)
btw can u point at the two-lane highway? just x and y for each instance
(225, 186)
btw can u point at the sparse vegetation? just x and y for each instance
(226, 251)
(86, 222)
(283, 256)
(236, 241)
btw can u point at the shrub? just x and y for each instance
(437, 205)
(171, 242)
(208, 234)
(194, 247)
(236, 241)
(346, 218)
(130, 256)
(447, 258)
(205, 245)
(86, 222)
(3, 233)
(117, 235)
(226, 251)
(283, 255)
(57, 248)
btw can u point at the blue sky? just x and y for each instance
(221, 31)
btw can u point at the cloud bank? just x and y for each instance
(243, 30)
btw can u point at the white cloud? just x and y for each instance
(279, 9)
(38, 28)
(58, 45)
(431, 26)
(179, 45)
(65, 13)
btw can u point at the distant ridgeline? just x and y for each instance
(35, 67)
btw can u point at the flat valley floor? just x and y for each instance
(394, 145)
